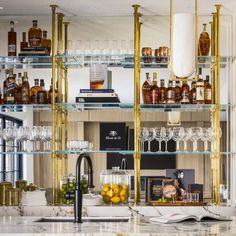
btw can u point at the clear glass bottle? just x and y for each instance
(25, 89)
(23, 43)
(35, 35)
(185, 93)
(115, 186)
(34, 91)
(154, 90)
(12, 41)
(170, 95)
(146, 90)
(162, 92)
(207, 90)
(204, 43)
(46, 42)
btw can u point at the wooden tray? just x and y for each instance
(177, 203)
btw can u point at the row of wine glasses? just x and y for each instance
(37, 135)
(178, 134)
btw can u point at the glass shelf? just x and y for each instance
(24, 107)
(83, 60)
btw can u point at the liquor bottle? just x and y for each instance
(50, 94)
(204, 43)
(42, 94)
(25, 90)
(154, 90)
(207, 91)
(193, 96)
(12, 42)
(9, 86)
(200, 89)
(35, 35)
(1, 98)
(18, 90)
(162, 92)
(170, 94)
(34, 90)
(146, 90)
(46, 42)
(23, 44)
(185, 94)
(177, 91)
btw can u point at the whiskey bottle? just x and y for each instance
(34, 90)
(12, 42)
(162, 92)
(204, 43)
(50, 94)
(193, 96)
(18, 90)
(170, 97)
(9, 88)
(35, 35)
(42, 94)
(177, 91)
(25, 90)
(200, 89)
(154, 90)
(23, 44)
(185, 94)
(146, 90)
(207, 91)
(46, 43)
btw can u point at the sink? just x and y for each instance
(84, 219)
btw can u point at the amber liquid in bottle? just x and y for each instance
(23, 44)
(200, 89)
(185, 93)
(170, 94)
(154, 90)
(46, 43)
(25, 90)
(12, 41)
(50, 94)
(9, 89)
(207, 90)
(162, 92)
(204, 43)
(35, 35)
(146, 90)
(18, 90)
(42, 94)
(34, 91)
(193, 95)
(177, 91)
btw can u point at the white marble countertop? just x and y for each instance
(135, 227)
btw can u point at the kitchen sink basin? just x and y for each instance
(84, 219)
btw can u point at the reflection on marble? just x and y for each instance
(135, 227)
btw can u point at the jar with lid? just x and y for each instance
(115, 186)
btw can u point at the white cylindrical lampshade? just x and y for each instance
(183, 44)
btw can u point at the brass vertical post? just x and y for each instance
(59, 95)
(54, 161)
(66, 92)
(196, 39)
(137, 155)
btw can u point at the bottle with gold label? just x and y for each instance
(193, 99)
(204, 43)
(146, 90)
(200, 89)
(154, 90)
(34, 91)
(177, 91)
(207, 90)
(162, 92)
(25, 90)
(170, 94)
(46, 42)
(35, 35)
(185, 93)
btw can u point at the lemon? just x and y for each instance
(103, 193)
(105, 188)
(123, 198)
(116, 190)
(125, 186)
(115, 199)
(123, 192)
(114, 186)
(109, 193)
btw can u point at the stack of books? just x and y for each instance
(33, 51)
(97, 96)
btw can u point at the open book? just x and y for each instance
(176, 217)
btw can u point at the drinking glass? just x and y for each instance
(143, 135)
(169, 135)
(211, 133)
(162, 134)
(79, 47)
(158, 137)
(178, 133)
(204, 138)
(9, 135)
(46, 137)
(196, 133)
(186, 137)
(35, 137)
(150, 138)
(23, 137)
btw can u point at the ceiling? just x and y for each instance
(109, 7)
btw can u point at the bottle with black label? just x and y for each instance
(170, 95)
(207, 90)
(200, 89)
(185, 94)
(9, 88)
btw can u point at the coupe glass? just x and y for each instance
(23, 137)
(196, 133)
(169, 135)
(178, 134)
(186, 137)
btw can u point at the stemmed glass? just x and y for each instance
(211, 134)
(157, 136)
(162, 134)
(9, 135)
(46, 137)
(169, 135)
(178, 134)
(35, 137)
(205, 138)
(186, 137)
(196, 133)
(150, 138)
(144, 137)
(23, 137)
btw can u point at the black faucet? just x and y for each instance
(78, 195)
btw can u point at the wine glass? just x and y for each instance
(35, 137)
(186, 137)
(144, 137)
(46, 137)
(157, 136)
(150, 138)
(204, 138)
(162, 134)
(196, 133)
(178, 133)
(9, 135)
(211, 133)
(23, 137)
(169, 135)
